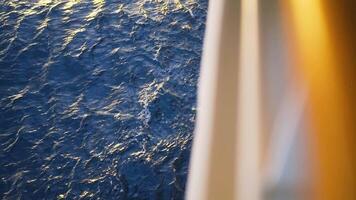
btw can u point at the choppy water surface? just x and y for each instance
(97, 98)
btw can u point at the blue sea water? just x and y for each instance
(97, 98)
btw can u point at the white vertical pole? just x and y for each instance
(248, 183)
(199, 169)
(212, 163)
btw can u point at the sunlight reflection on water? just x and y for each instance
(97, 98)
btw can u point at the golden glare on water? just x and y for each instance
(64, 61)
(68, 7)
(44, 2)
(98, 6)
(71, 35)
(70, 4)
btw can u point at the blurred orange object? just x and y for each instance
(319, 37)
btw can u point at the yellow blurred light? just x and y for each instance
(320, 66)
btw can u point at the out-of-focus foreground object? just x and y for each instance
(212, 165)
(249, 126)
(276, 115)
(319, 34)
(226, 153)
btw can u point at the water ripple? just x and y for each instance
(97, 98)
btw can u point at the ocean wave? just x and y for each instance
(97, 98)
